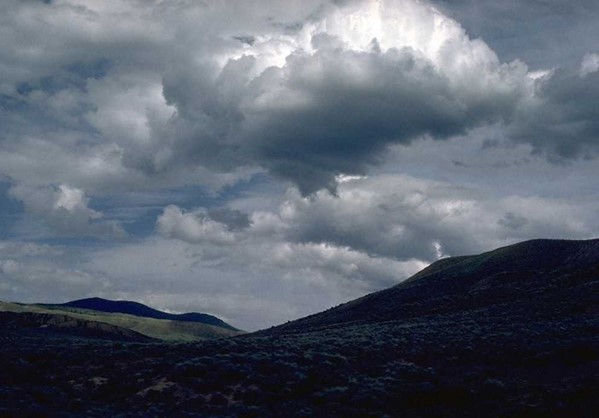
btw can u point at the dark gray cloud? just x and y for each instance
(348, 119)
(548, 35)
(512, 221)
(234, 219)
(563, 118)
(200, 93)
(326, 100)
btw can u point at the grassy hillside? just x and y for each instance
(161, 329)
(138, 309)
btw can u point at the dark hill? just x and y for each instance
(549, 274)
(508, 333)
(138, 309)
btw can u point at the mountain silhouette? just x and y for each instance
(139, 309)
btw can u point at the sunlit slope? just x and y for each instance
(166, 330)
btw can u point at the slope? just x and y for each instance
(547, 275)
(138, 309)
(63, 326)
(161, 329)
(512, 332)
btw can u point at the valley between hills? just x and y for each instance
(510, 332)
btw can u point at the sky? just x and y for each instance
(265, 160)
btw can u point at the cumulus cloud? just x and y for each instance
(329, 97)
(589, 64)
(394, 217)
(267, 235)
(541, 33)
(81, 97)
(65, 211)
(165, 95)
(561, 120)
(192, 227)
(401, 217)
(307, 98)
(235, 220)
(32, 272)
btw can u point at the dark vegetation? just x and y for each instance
(32, 323)
(513, 332)
(138, 309)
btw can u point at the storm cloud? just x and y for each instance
(562, 120)
(150, 94)
(328, 97)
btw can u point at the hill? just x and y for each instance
(138, 309)
(508, 333)
(159, 329)
(57, 326)
(543, 275)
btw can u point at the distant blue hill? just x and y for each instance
(138, 309)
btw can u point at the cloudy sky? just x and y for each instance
(264, 160)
